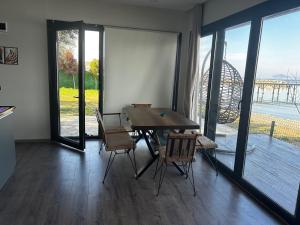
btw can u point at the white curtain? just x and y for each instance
(193, 64)
(139, 68)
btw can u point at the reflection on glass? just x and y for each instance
(91, 81)
(67, 49)
(230, 96)
(273, 165)
(205, 58)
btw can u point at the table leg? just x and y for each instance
(152, 152)
(154, 136)
(153, 158)
(143, 169)
(139, 137)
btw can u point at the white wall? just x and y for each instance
(26, 85)
(217, 9)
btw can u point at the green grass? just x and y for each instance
(66, 81)
(69, 104)
(285, 129)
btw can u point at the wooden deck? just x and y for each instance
(273, 167)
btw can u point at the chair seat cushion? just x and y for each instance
(205, 143)
(118, 139)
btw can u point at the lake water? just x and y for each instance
(287, 111)
(279, 109)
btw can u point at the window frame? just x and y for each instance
(255, 16)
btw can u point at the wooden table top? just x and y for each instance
(157, 118)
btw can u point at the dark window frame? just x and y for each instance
(255, 15)
(52, 27)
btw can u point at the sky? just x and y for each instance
(91, 45)
(279, 51)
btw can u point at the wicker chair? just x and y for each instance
(180, 148)
(116, 141)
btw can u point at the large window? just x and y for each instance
(254, 102)
(202, 89)
(273, 165)
(230, 93)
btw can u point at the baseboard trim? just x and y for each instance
(33, 141)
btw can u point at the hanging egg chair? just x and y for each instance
(230, 96)
(230, 93)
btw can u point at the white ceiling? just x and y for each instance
(166, 4)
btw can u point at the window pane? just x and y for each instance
(91, 81)
(205, 56)
(273, 164)
(67, 49)
(230, 96)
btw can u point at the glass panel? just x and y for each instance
(68, 93)
(230, 96)
(91, 81)
(273, 162)
(205, 58)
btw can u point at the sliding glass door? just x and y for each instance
(230, 92)
(254, 104)
(226, 95)
(273, 166)
(66, 73)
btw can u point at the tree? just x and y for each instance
(68, 64)
(94, 70)
(67, 37)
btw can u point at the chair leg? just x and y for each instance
(216, 162)
(101, 147)
(133, 152)
(133, 163)
(191, 164)
(156, 169)
(188, 170)
(109, 163)
(214, 165)
(157, 139)
(161, 177)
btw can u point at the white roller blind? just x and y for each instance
(139, 67)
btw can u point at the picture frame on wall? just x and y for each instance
(11, 55)
(1, 55)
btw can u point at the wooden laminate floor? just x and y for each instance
(54, 185)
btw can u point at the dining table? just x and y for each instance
(148, 122)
